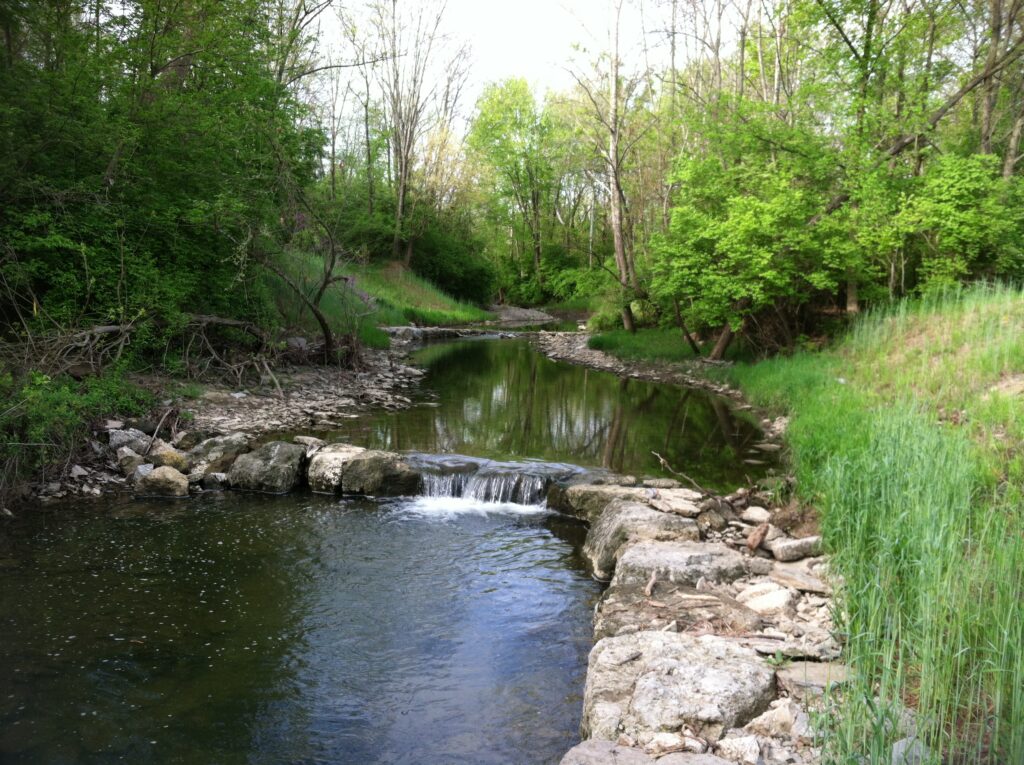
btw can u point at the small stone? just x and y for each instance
(163, 482)
(910, 751)
(756, 515)
(163, 454)
(214, 481)
(741, 749)
(786, 719)
(77, 471)
(118, 438)
(793, 576)
(796, 549)
(113, 425)
(142, 471)
(710, 520)
(767, 599)
(760, 566)
(808, 680)
(757, 536)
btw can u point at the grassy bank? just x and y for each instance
(907, 436)
(650, 345)
(401, 297)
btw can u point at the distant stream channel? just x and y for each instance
(240, 628)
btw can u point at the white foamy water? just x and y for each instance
(449, 507)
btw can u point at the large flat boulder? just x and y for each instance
(379, 473)
(652, 682)
(274, 468)
(624, 521)
(684, 563)
(626, 609)
(588, 501)
(326, 465)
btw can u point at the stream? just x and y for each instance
(448, 628)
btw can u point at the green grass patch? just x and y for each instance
(653, 345)
(905, 436)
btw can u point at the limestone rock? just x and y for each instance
(625, 609)
(163, 482)
(325, 467)
(768, 599)
(795, 549)
(588, 501)
(128, 460)
(216, 455)
(785, 719)
(796, 576)
(129, 437)
(274, 468)
(741, 749)
(142, 471)
(379, 473)
(807, 680)
(163, 454)
(687, 758)
(597, 752)
(678, 562)
(651, 682)
(623, 522)
(755, 515)
(214, 482)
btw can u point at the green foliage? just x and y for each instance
(961, 223)
(46, 419)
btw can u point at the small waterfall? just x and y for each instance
(518, 483)
(518, 488)
(444, 484)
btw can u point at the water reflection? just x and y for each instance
(503, 400)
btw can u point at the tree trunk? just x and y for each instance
(682, 327)
(1013, 148)
(852, 303)
(722, 344)
(628, 322)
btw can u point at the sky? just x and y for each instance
(535, 39)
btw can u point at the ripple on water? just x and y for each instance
(266, 629)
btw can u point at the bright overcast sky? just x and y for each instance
(534, 39)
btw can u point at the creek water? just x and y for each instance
(503, 400)
(240, 628)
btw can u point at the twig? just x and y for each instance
(152, 438)
(666, 466)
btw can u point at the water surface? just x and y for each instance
(502, 399)
(251, 629)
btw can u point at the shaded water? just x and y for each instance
(250, 629)
(503, 400)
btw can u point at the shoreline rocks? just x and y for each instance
(693, 629)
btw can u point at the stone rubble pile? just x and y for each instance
(714, 638)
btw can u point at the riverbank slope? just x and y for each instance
(906, 436)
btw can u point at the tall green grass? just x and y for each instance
(906, 440)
